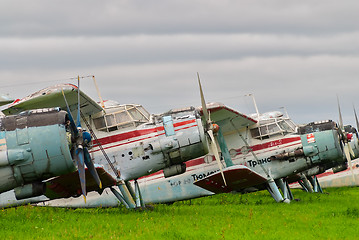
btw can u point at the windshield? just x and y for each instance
(122, 116)
(272, 127)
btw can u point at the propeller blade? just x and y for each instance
(91, 168)
(347, 155)
(351, 150)
(79, 156)
(203, 102)
(340, 116)
(72, 122)
(209, 128)
(78, 102)
(214, 149)
(356, 118)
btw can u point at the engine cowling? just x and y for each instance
(321, 143)
(34, 146)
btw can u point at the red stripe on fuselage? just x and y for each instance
(138, 133)
(274, 143)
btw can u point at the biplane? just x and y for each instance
(108, 144)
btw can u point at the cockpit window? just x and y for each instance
(285, 126)
(122, 116)
(272, 127)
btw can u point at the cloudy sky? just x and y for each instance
(294, 54)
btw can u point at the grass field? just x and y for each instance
(332, 215)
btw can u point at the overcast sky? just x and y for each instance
(293, 54)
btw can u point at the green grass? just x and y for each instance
(332, 215)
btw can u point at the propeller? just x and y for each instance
(345, 141)
(209, 128)
(82, 142)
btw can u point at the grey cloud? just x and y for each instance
(80, 51)
(93, 18)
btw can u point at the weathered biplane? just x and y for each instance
(247, 152)
(124, 141)
(265, 154)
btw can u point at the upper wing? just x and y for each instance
(237, 177)
(53, 97)
(226, 117)
(69, 185)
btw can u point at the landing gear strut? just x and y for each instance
(128, 197)
(310, 184)
(272, 187)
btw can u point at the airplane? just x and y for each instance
(277, 154)
(259, 151)
(124, 141)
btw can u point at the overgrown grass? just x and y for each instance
(332, 215)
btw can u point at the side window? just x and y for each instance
(136, 115)
(273, 128)
(122, 117)
(99, 122)
(110, 119)
(264, 130)
(255, 132)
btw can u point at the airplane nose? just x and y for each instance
(322, 142)
(86, 137)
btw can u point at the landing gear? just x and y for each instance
(128, 197)
(310, 184)
(315, 184)
(272, 187)
(304, 183)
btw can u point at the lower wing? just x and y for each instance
(237, 177)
